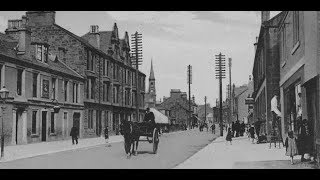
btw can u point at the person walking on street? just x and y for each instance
(74, 134)
(232, 129)
(213, 128)
(229, 136)
(251, 131)
(291, 146)
(106, 136)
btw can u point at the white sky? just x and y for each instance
(175, 39)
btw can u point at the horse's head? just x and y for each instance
(125, 127)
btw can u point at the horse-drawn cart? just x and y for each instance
(138, 129)
(132, 131)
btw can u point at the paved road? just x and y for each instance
(173, 149)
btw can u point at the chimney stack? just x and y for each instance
(265, 16)
(94, 36)
(20, 31)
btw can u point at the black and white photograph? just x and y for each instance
(160, 89)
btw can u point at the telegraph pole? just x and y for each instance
(189, 83)
(230, 92)
(220, 74)
(136, 59)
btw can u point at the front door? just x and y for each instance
(44, 126)
(76, 121)
(98, 123)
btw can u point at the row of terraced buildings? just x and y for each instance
(90, 78)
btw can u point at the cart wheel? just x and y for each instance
(155, 140)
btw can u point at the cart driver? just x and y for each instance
(149, 119)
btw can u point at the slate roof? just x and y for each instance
(53, 65)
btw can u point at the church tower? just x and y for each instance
(152, 88)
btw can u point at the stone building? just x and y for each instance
(176, 107)
(151, 96)
(103, 60)
(266, 73)
(299, 72)
(38, 80)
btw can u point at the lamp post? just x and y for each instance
(4, 92)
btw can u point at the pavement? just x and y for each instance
(16, 152)
(36, 149)
(242, 154)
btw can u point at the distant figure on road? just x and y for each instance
(251, 131)
(242, 128)
(237, 128)
(213, 129)
(291, 146)
(106, 136)
(233, 129)
(74, 134)
(229, 136)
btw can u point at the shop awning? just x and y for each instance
(159, 117)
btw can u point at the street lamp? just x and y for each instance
(4, 93)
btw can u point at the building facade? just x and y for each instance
(299, 72)
(241, 110)
(38, 82)
(266, 72)
(176, 107)
(103, 60)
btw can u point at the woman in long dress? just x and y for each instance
(291, 146)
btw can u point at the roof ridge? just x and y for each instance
(70, 68)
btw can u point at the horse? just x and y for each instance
(131, 136)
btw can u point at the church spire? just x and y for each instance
(151, 72)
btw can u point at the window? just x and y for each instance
(104, 91)
(65, 87)
(108, 92)
(92, 88)
(19, 82)
(295, 27)
(87, 88)
(103, 67)
(52, 129)
(42, 53)
(53, 88)
(114, 71)
(45, 88)
(34, 122)
(88, 60)
(90, 119)
(75, 93)
(92, 61)
(1, 75)
(114, 94)
(34, 84)
(107, 68)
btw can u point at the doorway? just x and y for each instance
(76, 121)
(98, 123)
(44, 126)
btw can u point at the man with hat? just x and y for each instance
(149, 119)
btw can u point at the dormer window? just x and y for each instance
(42, 53)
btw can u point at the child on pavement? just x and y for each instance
(291, 146)
(229, 136)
